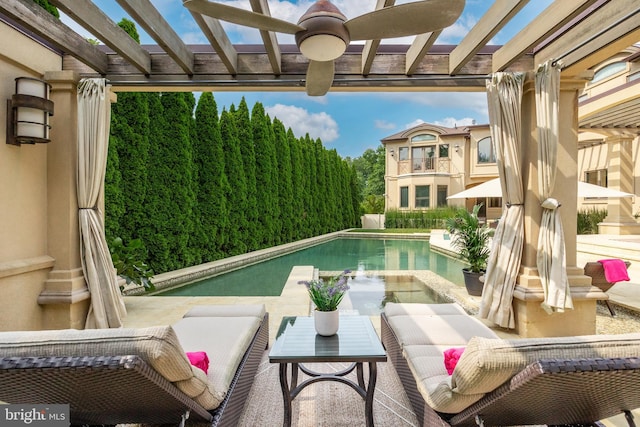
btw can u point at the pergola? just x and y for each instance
(578, 33)
(581, 33)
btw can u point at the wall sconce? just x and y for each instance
(392, 152)
(28, 112)
(457, 148)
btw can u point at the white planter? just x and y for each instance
(326, 322)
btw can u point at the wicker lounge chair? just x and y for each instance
(143, 383)
(506, 381)
(596, 272)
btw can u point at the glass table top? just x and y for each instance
(356, 341)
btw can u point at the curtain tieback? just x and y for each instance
(93, 208)
(509, 204)
(551, 204)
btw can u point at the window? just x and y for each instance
(422, 196)
(423, 158)
(608, 71)
(485, 151)
(403, 153)
(495, 202)
(597, 177)
(443, 150)
(404, 197)
(442, 195)
(423, 137)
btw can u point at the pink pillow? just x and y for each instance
(199, 359)
(451, 357)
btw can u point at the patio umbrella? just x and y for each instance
(492, 188)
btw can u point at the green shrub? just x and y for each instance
(129, 262)
(428, 218)
(588, 220)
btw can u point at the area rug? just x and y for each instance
(327, 403)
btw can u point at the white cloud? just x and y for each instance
(301, 121)
(452, 122)
(416, 122)
(383, 124)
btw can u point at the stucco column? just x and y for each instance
(65, 297)
(619, 218)
(531, 319)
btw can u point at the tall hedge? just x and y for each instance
(214, 187)
(267, 176)
(248, 153)
(211, 213)
(237, 192)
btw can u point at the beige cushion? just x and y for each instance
(488, 363)
(158, 346)
(255, 310)
(434, 384)
(402, 309)
(451, 330)
(225, 340)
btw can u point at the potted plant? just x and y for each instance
(471, 238)
(326, 295)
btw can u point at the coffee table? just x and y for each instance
(356, 342)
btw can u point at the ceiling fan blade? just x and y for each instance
(319, 77)
(241, 16)
(405, 19)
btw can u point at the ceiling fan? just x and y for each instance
(323, 32)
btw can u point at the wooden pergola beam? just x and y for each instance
(148, 17)
(608, 30)
(371, 46)
(35, 19)
(488, 26)
(268, 37)
(89, 16)
(544, 25)
(418, 49)
(213, 31)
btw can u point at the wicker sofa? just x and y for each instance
(140, 375)
(497, 382)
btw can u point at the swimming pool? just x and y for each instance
(267, 278)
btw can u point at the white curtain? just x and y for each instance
(107, 309)
(504, 95)
(551, 256)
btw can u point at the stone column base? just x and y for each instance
(65, 300)
(532, 321)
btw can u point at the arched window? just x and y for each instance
(608, 71)
(423, 137)
(485, 151)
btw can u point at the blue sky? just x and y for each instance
(348, 122)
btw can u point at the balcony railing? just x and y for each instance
(428, 164)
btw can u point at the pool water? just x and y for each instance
(267, 278)
(368, 295)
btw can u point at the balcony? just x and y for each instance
(424, 165)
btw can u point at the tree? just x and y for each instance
(211, 210)
(247, 151)
(285, 183)
(48, 7)
(237, 190)
(266, 175)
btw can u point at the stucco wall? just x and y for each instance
(24, 259)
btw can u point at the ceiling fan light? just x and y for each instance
(323, 47)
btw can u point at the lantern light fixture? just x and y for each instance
(28, 112)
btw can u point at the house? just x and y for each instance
(427, 163)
